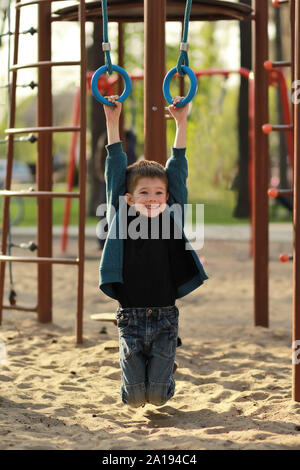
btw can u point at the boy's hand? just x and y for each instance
(179, 114)
(112, 113)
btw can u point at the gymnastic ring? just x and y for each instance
(192, 90)
(94, 84)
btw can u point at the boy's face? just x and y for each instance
(149, 196)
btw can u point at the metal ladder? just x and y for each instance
(44, 130)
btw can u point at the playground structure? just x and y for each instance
(154, 13)
(294, 128)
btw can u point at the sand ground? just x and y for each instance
(233, 384)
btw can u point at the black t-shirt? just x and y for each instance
(153, 266)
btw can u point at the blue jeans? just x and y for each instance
(148, 339)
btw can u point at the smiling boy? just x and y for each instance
(147, 273)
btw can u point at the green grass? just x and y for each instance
(217, 210)
(221, 213)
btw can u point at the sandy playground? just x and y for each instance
(233, 384)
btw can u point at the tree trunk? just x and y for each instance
(242, 209)
(95, 59)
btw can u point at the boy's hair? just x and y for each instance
(144, 169)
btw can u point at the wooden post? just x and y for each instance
(44, 164)
(261, 165)
(82, 175)
(296, 251)
(154, 104)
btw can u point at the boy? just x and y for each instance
(147, 273)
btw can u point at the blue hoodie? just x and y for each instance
(111, 264)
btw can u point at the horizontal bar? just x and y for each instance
(32, 193)
(31, 31)
(20, 307)
(284, 257)
(43, 129)
(274, 192)
(267, 128)
(47, 63)
(283, 127)
(35, 2)
(36, 259)
(269, 65)
(278, 3)
(31, 138)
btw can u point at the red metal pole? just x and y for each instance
(154, 105)
(296, 250)
(71, 171)
(44, 164)
(287, 115)
(261, 164)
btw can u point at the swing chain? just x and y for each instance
(183, 58)
(108, 67)
(106, 44)
(184, 46)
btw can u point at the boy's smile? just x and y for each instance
(149, 196)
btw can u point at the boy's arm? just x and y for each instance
(112, 114)
(116, 161)
(177, 167)
(180, 137)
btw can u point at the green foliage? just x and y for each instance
(134, 63)
(212, 144)
(212, 128)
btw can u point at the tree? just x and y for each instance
(95, 58)
(242, 208)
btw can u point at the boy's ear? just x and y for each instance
(128, 199)
(167, 196)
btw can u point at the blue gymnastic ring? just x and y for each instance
(192, 90)
(94, 84)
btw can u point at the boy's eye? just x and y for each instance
(157, 193)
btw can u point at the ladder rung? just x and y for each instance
(268, 128)
(47, 63)
(20, 307)
(43, 129)
(269, 65)
(274, 192)
(283, 127)
(277, 3)
(36, 259)
(30, 193)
